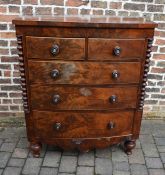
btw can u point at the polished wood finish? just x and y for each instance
(128, 146)
(69, 48)
(35, 148)
(85, 21)
(22, 73)
(83, 79)
(145, 72)
(80, 72)
(70, 32)
(78, 125)
(82, 98)
(104, 49)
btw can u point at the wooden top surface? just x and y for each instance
(84, 21)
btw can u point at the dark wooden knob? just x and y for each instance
(117, 51)
(115, 74)
(111, 125)
(57, 126)
(56, 99)
(55, 73)
(54, 49)
(113, 99)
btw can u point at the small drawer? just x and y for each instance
(60, 72)
(52, 125)
(82, 98)
(55, 48)
(115, 49)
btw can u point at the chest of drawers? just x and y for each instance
(83, 79)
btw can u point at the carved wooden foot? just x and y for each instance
(128, 146)
(35, 149)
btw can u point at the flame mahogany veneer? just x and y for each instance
(83, 79)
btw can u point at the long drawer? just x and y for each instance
(50, 125)
(55, 48)
(62, 72)
(82, 98)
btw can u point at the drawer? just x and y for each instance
(115, 49)
(55, 48)
(60, 72)
(83, 124)
(82, 98)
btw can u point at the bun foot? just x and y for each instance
(35, 149)
(128, 146)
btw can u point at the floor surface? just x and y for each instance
(148, 157)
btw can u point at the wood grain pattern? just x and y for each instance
(82, 98)
(102, 49)
(64, 32)
(83, 72)
(82, 125)
(70, 48)
(85, 21)
(137, 124)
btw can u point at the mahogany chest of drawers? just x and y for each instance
(83, 79)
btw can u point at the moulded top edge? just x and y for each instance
(85, 21)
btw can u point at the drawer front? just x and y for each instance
(82, 98)
(115, 49)
(80, 125)
(83, 72)
(55, 48)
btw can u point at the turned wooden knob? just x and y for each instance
(55, 49)
(111, 125)
(115, 74)
(56, 99)
(55, 73)
(113, 99)
(57, 126)
(117, 51)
